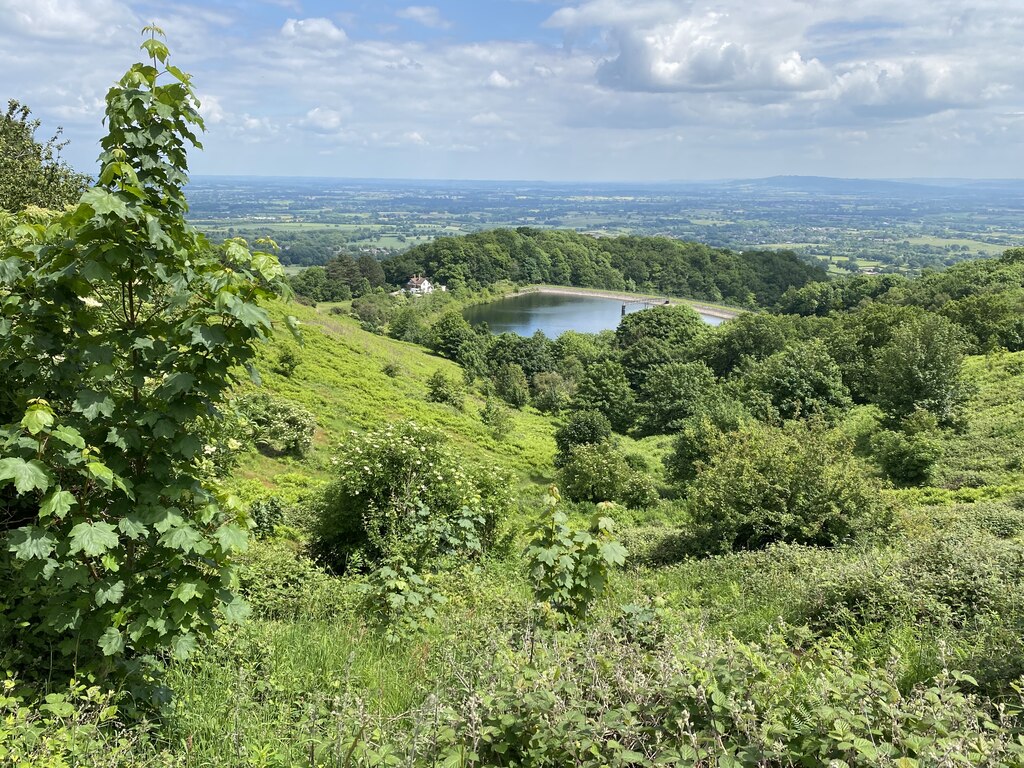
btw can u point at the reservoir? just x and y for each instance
(527, 313)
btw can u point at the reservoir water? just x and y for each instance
(553, 314)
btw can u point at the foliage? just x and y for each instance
(276, 426)
(581, 428)
(701, 435)
(118, 545)
(766, 484)
(570, 569)
(80, 724)
(551, 392)
(673, 393)
(403, 492)
(598, 472)
(750, 336)
(920, 369)
(398, 599)
(282, 583)
(511, 386)
(33, 173)
(498, 417)
(287, 361)
(651, 264)
(908, 455)
(801, 381)
(441, 389)
(604, 388)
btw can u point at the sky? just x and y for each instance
(589, 90)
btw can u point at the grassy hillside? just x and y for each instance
(341, 379)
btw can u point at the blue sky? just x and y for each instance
(543, 89)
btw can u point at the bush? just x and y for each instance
(403, 492)
(288, 360)
(962, 574)
(581, 428)
(907, 456)
(441, 389)
(498, 417)
(511, 386)
(278, 427)
(599, 472)
(801, 381)
(551, 392)
(569, 569)
(765, 484)
(281, 583)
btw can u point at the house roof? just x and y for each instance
(417, 281)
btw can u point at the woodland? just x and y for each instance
(253, 520)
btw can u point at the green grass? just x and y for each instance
(341, 380)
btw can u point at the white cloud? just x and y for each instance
(498, 80)
(486, 118)
(427, 15)
(68, 19)
(315, 30)
(322, 120)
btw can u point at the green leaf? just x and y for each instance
(185, 538)
(232, 538)
(236, 610)
(614, 553)
(111, 642)
(182, 646)
(104, 202)
(26, 475)
(93, 538)
(31, 542)
(69, 436)
(109, 593)
(93, 404)
(101, 472)
(250, 315)
(187, 590)
(57, 504)
(37, 418)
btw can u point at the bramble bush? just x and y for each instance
(599, 472)
(403, 492)
(121, 328)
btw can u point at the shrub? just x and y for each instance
(700, 436)
(281, 583)
(907, 456)
(551, 392)
(511, 386)
(672, 393)
(801, 381)
(498, 417)
(598, 472)
(581, 428)
(404, 492)
(391, 369)
(266, 514)
(288, 360)
(569, 569)
(123, 329)
(441, 389)
(277, 427)
(765, 484)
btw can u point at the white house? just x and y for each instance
(419, 285)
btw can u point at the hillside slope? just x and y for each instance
(341, 379)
